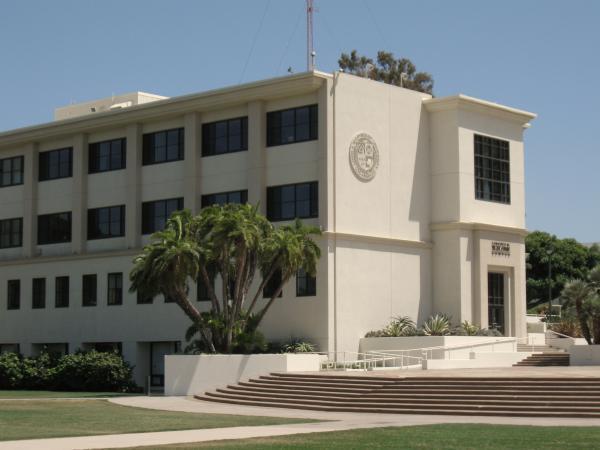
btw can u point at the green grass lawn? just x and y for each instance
(58, 394)
(430, 437)
(56, 418)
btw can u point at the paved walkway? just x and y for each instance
(337, 422)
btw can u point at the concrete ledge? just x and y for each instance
(585, 355)
(195, 374)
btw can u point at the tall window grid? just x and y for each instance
(61, 292)
(11, 233)
(293, 201)
(107, 155)
(155, 214)
(306, 285)
(163, 146)
(56, 164)
(225, 136)
(292, 125)
(54, 228)
(492, 169)
(115, 288)
(108, 222)
(13, 294)
(11, 171)
(89, 290)
(38, 293)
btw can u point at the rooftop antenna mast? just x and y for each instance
(310, 51)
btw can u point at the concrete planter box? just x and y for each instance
(585, 355)
(466, 343)
(195, 374)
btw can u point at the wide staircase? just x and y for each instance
(545, 359)
(533, 396)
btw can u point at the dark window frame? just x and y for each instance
(149, 228)
(61, 292)
(44, 166)
(149, 152)
(15, 227)
(12, 171)
(276, 202)
(492, 169)
(114, 291)
(13, 294)
(94, 225)
(202, 294)
(210, 138)
(141, 300)
(272, 285)
(211, 199)
(50, 235)
(38, 293)
(89, 290)
(306, 285)
(275, 125)
(115, 161)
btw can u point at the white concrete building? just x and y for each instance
(421, 201)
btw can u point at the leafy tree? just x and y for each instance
(399, 72)
(236, 242)
(569, 260)
(583, 296)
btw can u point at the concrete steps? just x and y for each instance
(534, 397)
(546, 359)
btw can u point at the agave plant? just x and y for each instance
(438, 325)
(469, 329)
(400, 326)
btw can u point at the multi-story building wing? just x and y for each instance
(420, 199)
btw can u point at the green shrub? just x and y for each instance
(295, 345)
(398, 326)
(438, 325)
(11, 373)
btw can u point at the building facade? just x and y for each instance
(420, 199)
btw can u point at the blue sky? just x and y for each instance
(542, 56)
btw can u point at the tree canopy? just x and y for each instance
(232, 241)
(388, 69)
(570, 260)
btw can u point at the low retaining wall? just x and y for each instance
(194, 374)
(478, 361)
(585, 355)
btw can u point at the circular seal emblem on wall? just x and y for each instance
(364, 157)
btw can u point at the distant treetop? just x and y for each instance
(399, 72)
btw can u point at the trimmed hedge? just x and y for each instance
(81, 371)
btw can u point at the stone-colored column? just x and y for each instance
(30, 180)
(326, 157)
(133, 202)
(193, 162)
(79, 208)
(257, 141)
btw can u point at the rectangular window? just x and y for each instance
(108, 222)
(13, 294)
(222, 198)
(492, 169)
(306, 285)
(272, 285)
(54, 228)
(293, 201)
(202, 294)
(115, 288)
(155, 214)
(226, 136)
(11, 233)
(142, 300)
(163, 146)
(107, 155)
(89, 291)
(11, 171)
(56, 164)
(38, 293)
(292, 125)
(61, 292)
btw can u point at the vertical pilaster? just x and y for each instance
(193, 161)
(79, 207)
(257, 141)
(133, 202)
(30, 174)
(326, 157)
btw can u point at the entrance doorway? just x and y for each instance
(158, 350)
(496, 301)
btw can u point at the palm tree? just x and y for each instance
(576, 294)
(234, 241)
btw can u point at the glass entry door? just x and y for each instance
(496, 301)
(158, 350)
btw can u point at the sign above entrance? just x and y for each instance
(500, 248)
(364, 157)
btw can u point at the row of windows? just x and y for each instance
(283, 203)
(225, 136)
(305, 286)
